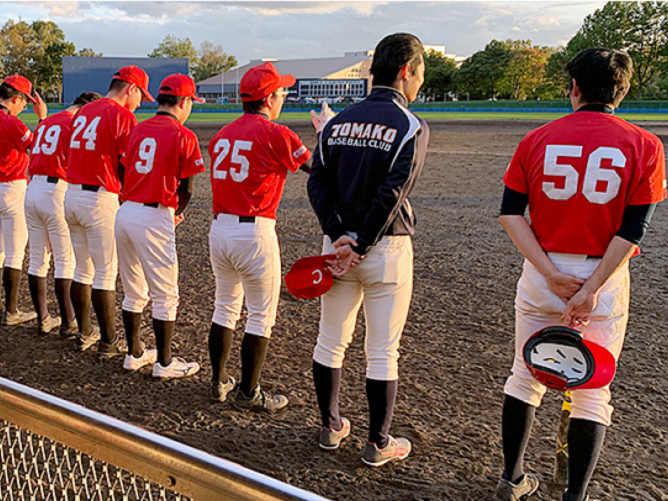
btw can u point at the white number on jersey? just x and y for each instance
(147, 154)
(593, 174)
(237, 174)
(50, 140)
(90, 134)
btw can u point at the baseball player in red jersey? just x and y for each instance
(591, 181)
(250, 159)
(99, 138)
(161, 161)
(15, 139)
(45, 215)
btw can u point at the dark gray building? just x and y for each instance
(93, 74)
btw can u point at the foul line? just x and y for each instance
(480, 153)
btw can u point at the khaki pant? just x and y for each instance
(91, 217)
(246, 262)
(47, 228)
(147, 259)
(383, 281)
(13, 228)
(537, 307)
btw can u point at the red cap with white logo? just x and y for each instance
(135, 75)
(309, 277)
(22, 85)
(261, 81)
(179, 85)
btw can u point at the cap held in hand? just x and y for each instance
(560, 358)
(309, 277)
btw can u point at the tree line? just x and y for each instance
(519, 70)
(504, 69)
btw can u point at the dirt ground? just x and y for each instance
(456, 351)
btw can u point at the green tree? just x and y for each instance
(211, 60)
(88, 52)
(524, 76)
(480, 75)
(176, 47)
(438, 74)
(21, 53)
(50, 73)
(639, 28)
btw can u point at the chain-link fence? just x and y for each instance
(38, 469)
(54, 450)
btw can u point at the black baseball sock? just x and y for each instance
(11, 279)
(585, 440)
(381, 396)
(37, 286)
(253, 353)
(164, 332)
(132, 323)
(81, 301)
(104, 304)
(327, 383)
(516, 425)
(63, 286)
(220, 342)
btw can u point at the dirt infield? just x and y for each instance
(456, 352)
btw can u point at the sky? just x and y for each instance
(304, 29)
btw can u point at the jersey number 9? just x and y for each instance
(146, 153)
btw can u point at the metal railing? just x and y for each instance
(52, 449)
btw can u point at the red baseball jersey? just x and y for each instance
(160, 153)
(48, 153)
(250, 159)
(15, 139)
(581, 172)
(99, 136)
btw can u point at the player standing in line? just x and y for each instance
(99, 138)
(15, 139)
(591, 181)
(367, 162)
(45, 215)
(161, 162)
(250, 159)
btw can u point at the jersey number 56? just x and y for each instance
(593, 174)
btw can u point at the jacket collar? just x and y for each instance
(380, 92)
(601, 108)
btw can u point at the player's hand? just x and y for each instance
(40, 107)
(178, 220)
(344, 240)
(564, 285)
(346, 258)
(320, 119)
(579, 308)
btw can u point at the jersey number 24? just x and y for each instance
(593, 174)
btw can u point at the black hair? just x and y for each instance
(85, 98)
(392, 53)
(117, 85)
(168, 99)
(603, 75)
(8, 92)
(254, 106)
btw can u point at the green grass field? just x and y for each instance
(31, 118)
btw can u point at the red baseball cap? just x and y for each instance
(22, 85)
(135, 75)
(309, 277)
(261, 81)
(179, 85)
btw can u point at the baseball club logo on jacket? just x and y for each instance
(362, 135)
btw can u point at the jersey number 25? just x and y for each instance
(593, 174)
(221, 149)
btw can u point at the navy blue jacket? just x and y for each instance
(366, 163)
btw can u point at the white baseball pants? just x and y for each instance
(91, 217)
(147, 259)
(13, 228)
(246, 261)
(384, 282)
(47, 228)
(537, 307)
